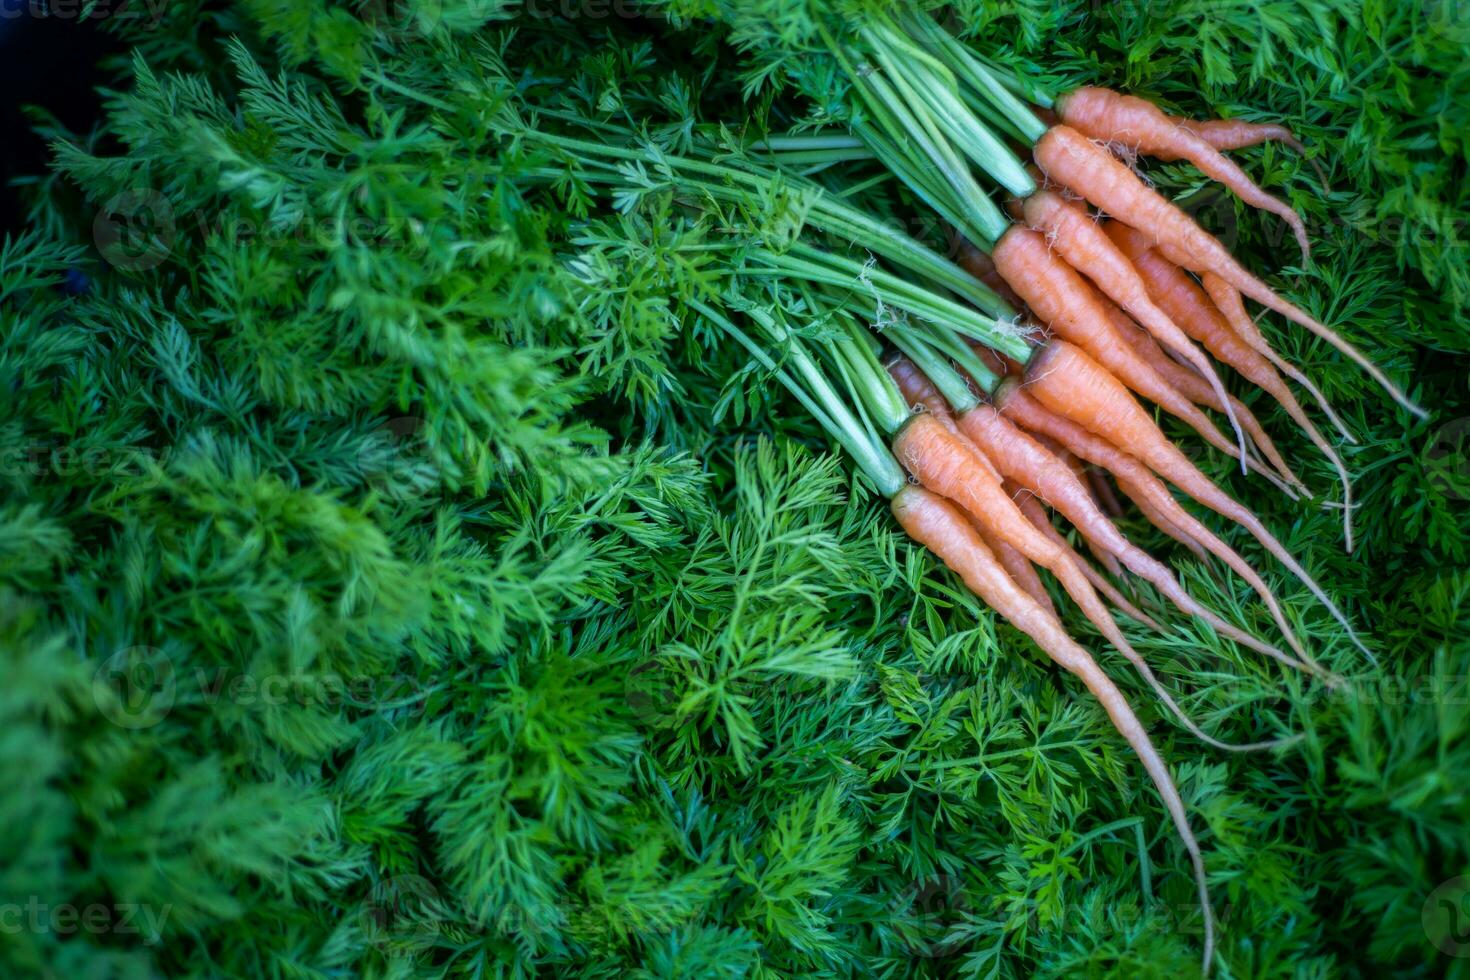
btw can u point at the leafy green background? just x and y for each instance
(392, 586)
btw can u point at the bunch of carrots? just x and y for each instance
(1078, 291)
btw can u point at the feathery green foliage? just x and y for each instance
(400, 578)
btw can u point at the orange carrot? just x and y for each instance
(1236, 134)
(917, 389)
(1226, 330)
(1033, 510)
(1025, 462)
(1104, 557)
(1070, 383)
(938, 526)
(944, 463)
(1036, 514)
(1073, 233)
(1102, 491)
(1071, 159)
(1140, 484)
(1212, 326)
(1062, 299)
(1229, 304)
(1021, 571)
(1145, 504)
(1141, 125)
(1193, 387)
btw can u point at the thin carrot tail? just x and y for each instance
(1227, 404)
(1017, 566)
(1184, 475)
(1033, 413)
(1103, 555)
(1237, 276)
(1102, 492)
(1037, 515)
(1193, 387)
(1258, 530)
(1267, 446)
(1073, 160)
(1236, 134)
(1092, 675)
(932, 522)
(1156, 517)
(1227, 300)
(1232, 559)
(1071, 572)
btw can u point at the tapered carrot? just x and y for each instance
(1229, 304)
(1074, 161)
(1225, 328)
(1145, 504)
(1139, 482)
(1112, 117)
(944, 463)
(1070, 383)
(1036, 514)
(1021, 571)
(917, 389)
(1236, 134)
(940, 527)
(1104, 557)
(1193, 387)
(1063, 300)
(1073, 233)
(1027, 463)
(1220, 330)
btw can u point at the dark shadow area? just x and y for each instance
(48, 61)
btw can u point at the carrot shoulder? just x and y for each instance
(1137, 123)
(1063, 300)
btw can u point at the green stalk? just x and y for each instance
(962, 354)
(828, 212)
(933, 364)
(966, 66)
(916, 140)
(835, 270)
(809, 141)
(880, 394)
(818, 397)
(950, 115)
(936, 195)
